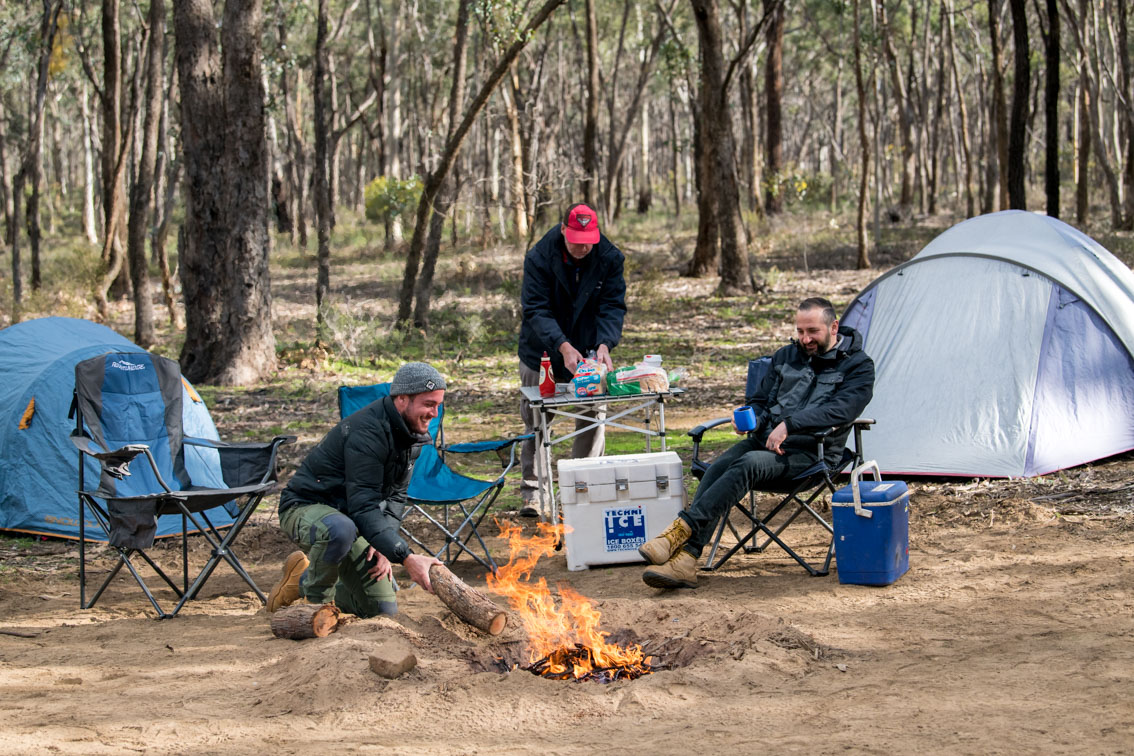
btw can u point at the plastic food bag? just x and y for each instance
(589, 380)
(638, 379)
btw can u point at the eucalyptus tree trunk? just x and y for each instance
(89, 228)
(33, 159)
(1051, 109)
(1018, 136)
(433, 182)
(113, 193)
(707, 247)
(962, 113)
(864, 144)
(773, 121)
(735, 276)
(590, 122)
(902, 105)
(447, 196)
(517, 191)
(1000, 103)
(938, 114)
(1082, 150)
(142, 189)
(322, 187)
(225, 241)
(1126, 113)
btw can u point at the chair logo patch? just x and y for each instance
(625, 528)
(124, 365)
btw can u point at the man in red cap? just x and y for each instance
(574, 301)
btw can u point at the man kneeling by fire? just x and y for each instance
(820, 380)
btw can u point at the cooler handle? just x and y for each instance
(856, 473)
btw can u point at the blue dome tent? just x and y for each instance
(39, 473)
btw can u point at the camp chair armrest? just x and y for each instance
(700, 430)
(116, 462)
(245, 463)
(470, 447)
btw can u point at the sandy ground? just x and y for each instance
(1013, 632)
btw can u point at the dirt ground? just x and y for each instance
(1011, 633)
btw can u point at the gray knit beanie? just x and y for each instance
(416, 378)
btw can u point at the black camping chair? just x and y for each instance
(801, 493)
(129, 404)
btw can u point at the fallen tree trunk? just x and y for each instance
(469, 604)
(301, 621)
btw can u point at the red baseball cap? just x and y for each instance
(581, 225)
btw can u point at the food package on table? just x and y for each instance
(590, 379)
(637, 379)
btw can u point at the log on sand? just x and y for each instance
(300, 621)
(469, 604)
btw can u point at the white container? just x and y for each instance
(612, 505)
(652, 360)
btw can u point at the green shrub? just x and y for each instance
(387, 198)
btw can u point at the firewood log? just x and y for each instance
(469, 604)
(300, 621)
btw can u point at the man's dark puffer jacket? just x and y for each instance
(810, 394)
(362, 468)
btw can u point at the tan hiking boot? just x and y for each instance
(286, 591)
(659, 550)
(679, 572)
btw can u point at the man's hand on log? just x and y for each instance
(417, 565)
(381, 569)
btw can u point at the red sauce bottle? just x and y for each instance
(546, 378)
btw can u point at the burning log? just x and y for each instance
(300, 621)
(580, 663)
(469, 604)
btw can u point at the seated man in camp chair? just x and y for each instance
(345, 503)
(821, 380)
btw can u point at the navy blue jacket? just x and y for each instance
(810, 394)
(362, 468)
(551, 315)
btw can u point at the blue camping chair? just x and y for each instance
(129, 405)
(801, 493)
(435, 484)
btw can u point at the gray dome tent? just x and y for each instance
(1004, 348)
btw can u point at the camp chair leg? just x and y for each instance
(103, 520)
(220, 551)
(454, 543)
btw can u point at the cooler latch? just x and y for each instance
(621, 484)
(580, 486)
(662, 482)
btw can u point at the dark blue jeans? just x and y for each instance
(740, 469)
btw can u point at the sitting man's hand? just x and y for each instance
(776, 437)
(381, 569)
(571, 356)
(417, 565)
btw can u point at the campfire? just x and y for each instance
(564, 636)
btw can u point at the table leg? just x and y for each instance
(661, 421)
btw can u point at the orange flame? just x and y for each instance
(556, 628)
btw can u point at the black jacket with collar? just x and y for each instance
(362, 468)
(810, 394)
(552, 315)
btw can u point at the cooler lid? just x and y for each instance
(872, 492)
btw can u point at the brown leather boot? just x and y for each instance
(286, 591)
(659, 550)
(679, 572)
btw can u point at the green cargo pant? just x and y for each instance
(338, 569)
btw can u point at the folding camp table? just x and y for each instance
(647, 409)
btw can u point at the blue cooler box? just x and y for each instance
(872, 550)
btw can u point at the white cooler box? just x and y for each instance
(612, 505)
